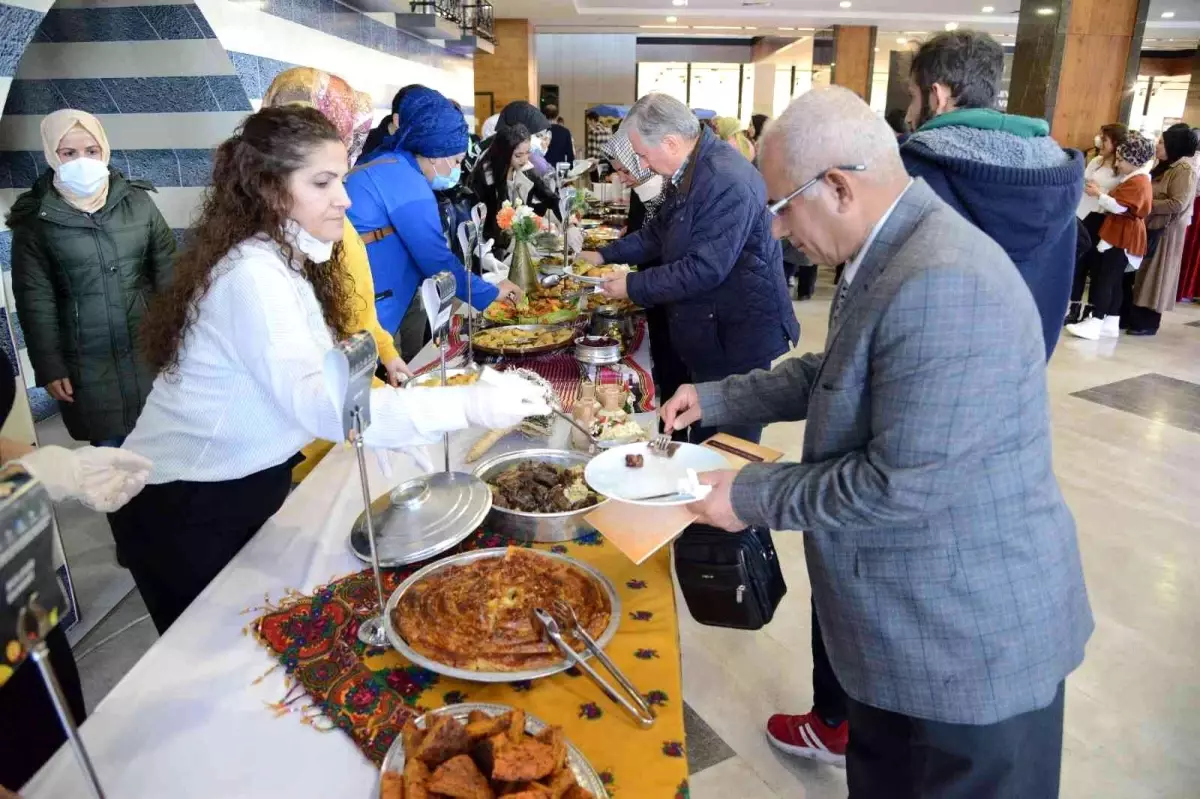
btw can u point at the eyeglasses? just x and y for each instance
(777, 207)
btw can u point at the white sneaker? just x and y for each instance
(1111, 327)
(1089, 328)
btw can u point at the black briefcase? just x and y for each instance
(729, 579)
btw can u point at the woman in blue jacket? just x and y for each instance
(394, 209)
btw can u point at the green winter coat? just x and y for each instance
(81, 283)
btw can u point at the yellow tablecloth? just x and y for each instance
(634, 762)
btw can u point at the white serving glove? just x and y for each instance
(103, 478)
(497, 402)
(494, 270)
(575, 239)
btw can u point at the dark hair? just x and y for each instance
(1116, 133)
(969, 63)
(1180, 142)
(592, 114)
(399, 96)
(757, 123)
(499, 155)
(248, 197)
(896, 120)
(551, 111)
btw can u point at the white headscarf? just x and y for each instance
(489, 127)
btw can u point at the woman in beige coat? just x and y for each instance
(1174, 190)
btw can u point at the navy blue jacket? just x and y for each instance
(721, 278)
(1028, 212)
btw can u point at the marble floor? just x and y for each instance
(1127, 452)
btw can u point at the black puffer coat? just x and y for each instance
(82, 283)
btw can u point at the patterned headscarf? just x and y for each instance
(618, 148)
(1137, 150)
(348, 110)
(59, 124)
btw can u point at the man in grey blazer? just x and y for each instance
(943, 560)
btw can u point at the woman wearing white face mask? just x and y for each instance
(239, 339)
(90, 249)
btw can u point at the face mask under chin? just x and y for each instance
(313, 248)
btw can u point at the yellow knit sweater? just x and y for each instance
(354, 256)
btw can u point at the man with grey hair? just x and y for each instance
(720, 278)
(945, 570)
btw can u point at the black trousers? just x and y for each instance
(894, 756)
(176, 537)
(829, 700)
(1108, 273)
(1083, 266)
(30, 732)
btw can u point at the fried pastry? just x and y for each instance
(446, 739)
(460, 778)
(523, 762)
(391, 786)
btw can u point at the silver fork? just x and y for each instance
(660, 445)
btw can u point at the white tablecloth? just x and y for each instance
(187, 721)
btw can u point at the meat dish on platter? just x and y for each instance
(533, 487)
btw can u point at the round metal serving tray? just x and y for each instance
(585, 774)
(418, 659)
(422, 518)
(435, 374)
(524, 351)
(542, 528)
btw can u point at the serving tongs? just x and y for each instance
(638, 708)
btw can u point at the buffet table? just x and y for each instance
(206, 714)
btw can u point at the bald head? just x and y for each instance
(827, 127)
(825, 136)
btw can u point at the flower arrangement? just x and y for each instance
(520, 220)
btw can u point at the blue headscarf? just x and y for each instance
(430, 125)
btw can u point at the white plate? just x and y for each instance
(607, 473)
(590, 281)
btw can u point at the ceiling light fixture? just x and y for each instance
(672, 19)
(1168, 15)
(951, 26)
(988, 9)
(1045, 11)
(787, 29)
(664, 27)
(679, 3)
(718, 27)
(845, 4)
(901, 40)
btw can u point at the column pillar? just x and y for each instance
(1191, 111)
(1076, 64)
(854, 58)
(764, 88)
(510, 73)
(899, 69)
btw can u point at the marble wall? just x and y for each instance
(170, 80)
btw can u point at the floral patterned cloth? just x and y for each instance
(370, 693)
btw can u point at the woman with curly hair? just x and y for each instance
(260, 295)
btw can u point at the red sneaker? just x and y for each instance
(808, 736)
